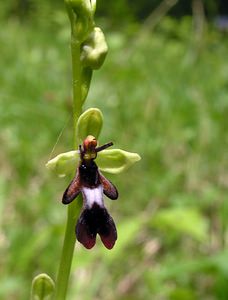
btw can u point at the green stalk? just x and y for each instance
(77, 82)
(75, 207)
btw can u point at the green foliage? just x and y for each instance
(181, 221)
(116, 12)
(166, 98)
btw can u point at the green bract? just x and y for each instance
(86, 76)
(111, 161)
(42, 287)
(94, 49)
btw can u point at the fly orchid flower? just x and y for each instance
(90, 182)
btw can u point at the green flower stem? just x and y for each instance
(67, 251)
(75, 207)
(77, 83)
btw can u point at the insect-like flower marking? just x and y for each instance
(92, 184)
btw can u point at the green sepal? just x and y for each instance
(89, 123)
(94, 49)
(64, 163)
(42, 287)
(115, 161)
(112, 161)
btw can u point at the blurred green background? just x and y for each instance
(163, 91)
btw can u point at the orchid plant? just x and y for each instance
(88, 49)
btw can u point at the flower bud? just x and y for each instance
(81, 14)
(94, 49)
(42, 287)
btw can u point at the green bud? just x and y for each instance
(81, 14)
(86, 7)
(42, 287)
(116, 160)
(89, 123)
(64, 163)
(94, 49)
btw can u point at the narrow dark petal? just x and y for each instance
(108, 187)
(105, 146)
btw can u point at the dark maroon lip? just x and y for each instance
(93, 221)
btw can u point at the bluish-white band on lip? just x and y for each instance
(93, 195)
